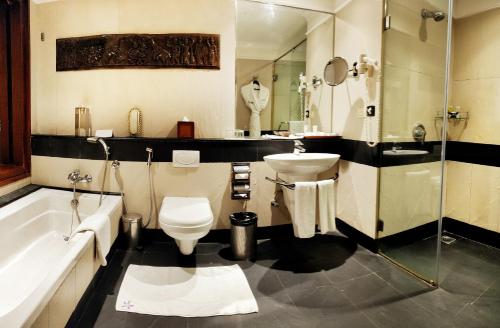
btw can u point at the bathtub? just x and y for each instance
(34, 257)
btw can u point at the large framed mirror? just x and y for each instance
(280, 51)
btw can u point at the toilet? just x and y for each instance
(186, 219)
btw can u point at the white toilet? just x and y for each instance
(186, 219)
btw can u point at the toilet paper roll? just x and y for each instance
(241, 176)
(241, 169)
(241, 188)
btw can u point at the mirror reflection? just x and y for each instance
(280, 52)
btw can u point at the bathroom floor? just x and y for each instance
(328, 281)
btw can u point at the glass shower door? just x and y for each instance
(414, 96)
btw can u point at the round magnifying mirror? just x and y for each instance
(336, 71)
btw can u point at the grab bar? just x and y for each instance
(291, 186)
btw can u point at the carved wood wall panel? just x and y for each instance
(201, 51)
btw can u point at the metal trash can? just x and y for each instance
(243, 239)
(132, 226)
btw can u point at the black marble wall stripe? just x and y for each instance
(223, 150)
(474, 153)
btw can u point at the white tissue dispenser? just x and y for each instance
(186, 158)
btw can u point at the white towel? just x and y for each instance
(326, 205)
(100, 225)
(304, 215)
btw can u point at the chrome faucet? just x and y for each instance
(105, 148)
(298, 147)
(74, 177)
(396, 147)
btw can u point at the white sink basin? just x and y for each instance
(301, 164)
(405, 152)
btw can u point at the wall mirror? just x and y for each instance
(278, 53)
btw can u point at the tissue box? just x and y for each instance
(185, 129)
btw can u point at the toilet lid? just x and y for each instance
(185, 211)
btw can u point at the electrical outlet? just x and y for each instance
(370, 111)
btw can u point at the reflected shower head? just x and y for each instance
(101, 141)
(436, 15)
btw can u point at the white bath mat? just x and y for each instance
(186, 292)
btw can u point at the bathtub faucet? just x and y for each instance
(74, 177)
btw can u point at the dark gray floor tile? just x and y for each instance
(371, 261)
(405, 313)
(348, 270)
(209, 248)
(226, 321)
(435, 300)
(370, 291)
(328, 307)
(479, 315)
(262, 280)
(301, 278)
(275, 312)
(169, 322)
(386, 306)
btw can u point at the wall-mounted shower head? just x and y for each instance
(435, 15)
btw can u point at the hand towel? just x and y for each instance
(100, 225)
(304, 214)
(326, 206)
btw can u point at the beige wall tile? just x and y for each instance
(63, 303)
(43, 319)
(409, 196)
(165, 95)
(354, 35)
(485, 202)
(84, 271)
(357, 196)
(14, 186)
(479, 97)
(458, 191)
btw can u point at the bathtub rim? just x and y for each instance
(29, 310)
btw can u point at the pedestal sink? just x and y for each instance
(302, 164)
(299, 167)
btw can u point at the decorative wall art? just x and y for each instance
(199, 51)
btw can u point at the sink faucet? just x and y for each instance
(396, 147)
(74, 177)
(298, 147)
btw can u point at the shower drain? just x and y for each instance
(448, 240)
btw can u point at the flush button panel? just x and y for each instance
(240, 180)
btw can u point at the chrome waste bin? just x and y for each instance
(243, 238)
(132, 228)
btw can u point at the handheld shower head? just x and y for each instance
(150, 155)
(437, 16)
(101, 141)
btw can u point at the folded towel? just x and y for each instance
(304, 214)
(100, 225)
(326, 205)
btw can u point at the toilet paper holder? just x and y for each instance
(240, 180)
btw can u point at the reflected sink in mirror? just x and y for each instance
(405, 152)
(301, 164)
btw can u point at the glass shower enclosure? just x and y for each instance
(415, 68)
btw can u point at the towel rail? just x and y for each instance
(291, 186)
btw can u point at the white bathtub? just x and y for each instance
(34, 258)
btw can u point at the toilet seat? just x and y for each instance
(185, 212)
